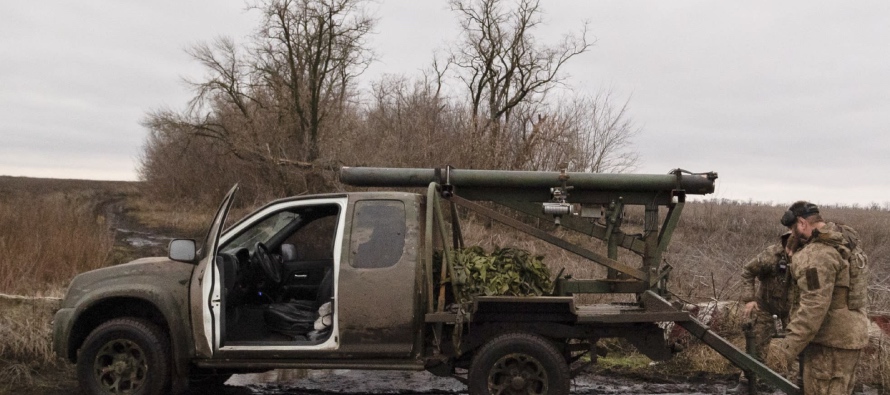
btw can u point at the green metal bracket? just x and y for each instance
(613, 215)
(666, 233)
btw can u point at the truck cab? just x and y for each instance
(319, 281)
(312, 278)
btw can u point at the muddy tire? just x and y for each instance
(125, 356)
(519, 363)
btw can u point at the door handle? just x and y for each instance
(301, 276)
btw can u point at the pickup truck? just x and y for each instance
(346, 281)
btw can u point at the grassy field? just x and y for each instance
(51, 230)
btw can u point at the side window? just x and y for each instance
(315, 241)
(378, 233)
(310, 229)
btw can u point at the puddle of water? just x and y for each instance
(140, 242)
(139, 239)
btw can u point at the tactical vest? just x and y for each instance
(851, 250)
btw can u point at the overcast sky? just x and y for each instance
(785, 100)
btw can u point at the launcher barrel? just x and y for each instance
(693, 184)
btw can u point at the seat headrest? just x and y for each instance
(288, 252)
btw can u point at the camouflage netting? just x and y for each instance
(504, 272)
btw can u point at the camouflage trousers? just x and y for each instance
(829, 370)
(764, 329)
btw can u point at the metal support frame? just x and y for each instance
(725, 348)
(545, 236)
(622, 278)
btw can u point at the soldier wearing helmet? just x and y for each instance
(827, 326)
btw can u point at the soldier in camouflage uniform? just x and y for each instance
(770, 298)
(828, 321)
(770, 269)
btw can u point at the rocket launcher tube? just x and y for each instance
(692, 184)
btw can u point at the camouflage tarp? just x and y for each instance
(504, 272)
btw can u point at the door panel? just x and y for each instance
(377, 298)
(205, 294)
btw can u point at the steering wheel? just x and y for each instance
(263, 259)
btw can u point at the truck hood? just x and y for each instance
(159, 271)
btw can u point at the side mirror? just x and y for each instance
(182, 250)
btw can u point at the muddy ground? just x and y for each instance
(598, 381)
(387, 382)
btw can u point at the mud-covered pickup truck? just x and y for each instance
(346, 280)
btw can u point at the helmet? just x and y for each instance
(798, 210)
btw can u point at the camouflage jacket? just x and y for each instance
(772, 294)
(820, 283)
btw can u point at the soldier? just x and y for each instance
(770, 268)
(771, 297)
(828, 323)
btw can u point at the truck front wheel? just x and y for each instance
(518, 363)
(125, 356)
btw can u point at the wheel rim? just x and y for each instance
(517, 374)
(120, 367)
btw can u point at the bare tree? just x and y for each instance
(273, 113)
(411, 124)
(271, 105)
(267, 104)
(588, 133)
(501, 64)
(227, 106)
(310, 51)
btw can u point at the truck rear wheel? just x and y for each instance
(518, 363)
(125, 356)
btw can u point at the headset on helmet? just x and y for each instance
(804, 211)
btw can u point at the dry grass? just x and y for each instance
(183, 219)
(27, 362)
(715, 239)
(48, 239)
(50, 230)
(178, 219)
